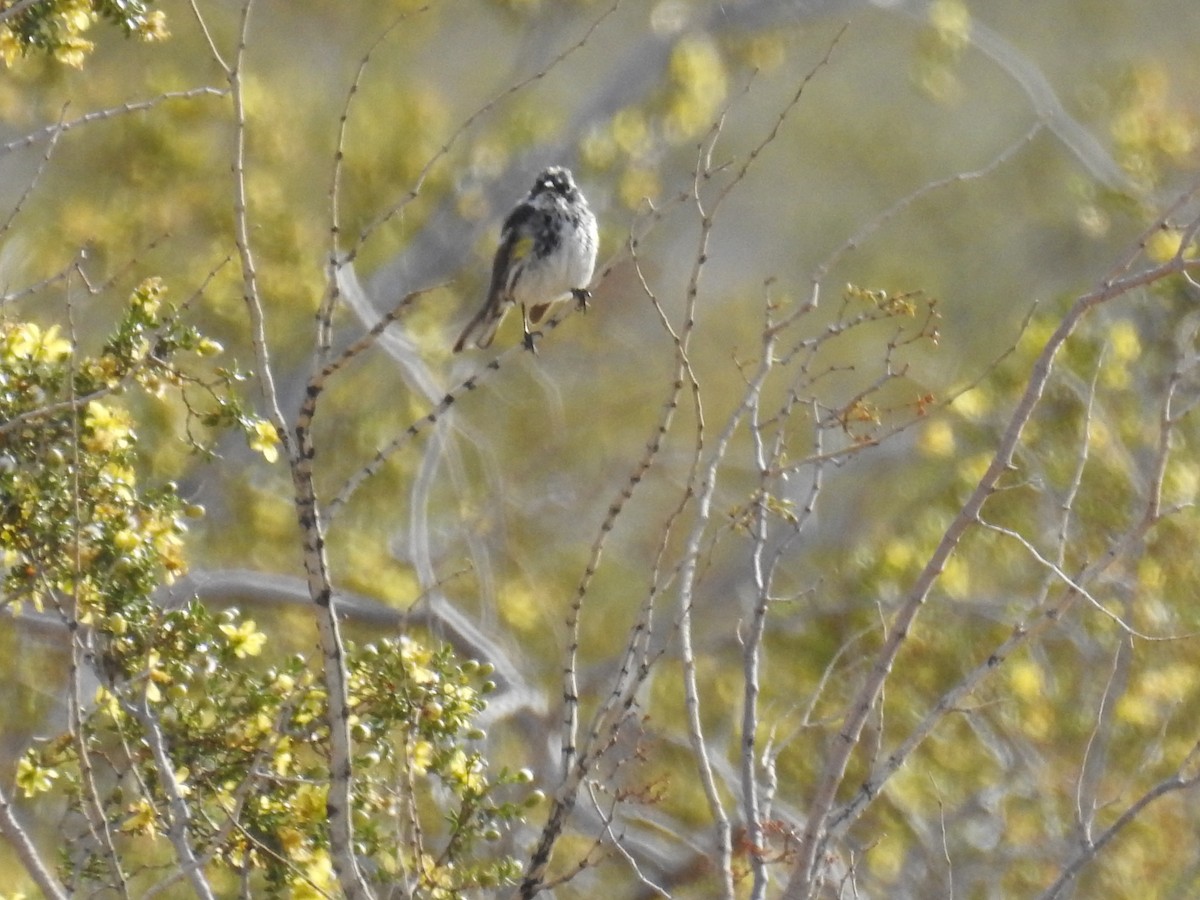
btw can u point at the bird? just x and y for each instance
(547, 253)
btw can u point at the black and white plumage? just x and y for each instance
(547, 253)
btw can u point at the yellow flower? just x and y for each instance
(439, 878)
(420, 757)
(126, 539)
(148, 295)
(318, 879)
(636, 185)
(416, 657)
(34, 779)
(52, 347)
(245, 639)
(283, 683)
(154, 28)
(109, 429)
(141, 819)
(73, 51)
(466, 771)
(25, 340)
(308, 803)
(293, 842)
(77, 17)
(282, 759)
(265, 440)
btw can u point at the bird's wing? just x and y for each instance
(513, 246)
(516, 243)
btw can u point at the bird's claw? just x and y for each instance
(529, 341)
(582, 295)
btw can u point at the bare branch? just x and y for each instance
(1180, 781)
(178, 830)
(329, 302)
(37, 176)
(52, 132)
(869, 229)
(18, 839)
(806, 873)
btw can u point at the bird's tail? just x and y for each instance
(482, 327)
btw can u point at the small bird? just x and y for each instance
(547, 253)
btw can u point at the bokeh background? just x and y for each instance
(1060, 129)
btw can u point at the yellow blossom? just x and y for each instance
(245, 639)
(110, 429)
(308, 803)
(34, 779)
(126, 539)
(318, 879)
(106, 702)
(119, 478)
(466, 771)
(282, 759)
(416, 657)
(439, 878)
(141, 819)
(283, 683)
(420, 757)
(73, 51)
(154, 28)
(294, 843)
(630, 131)
(955, 579)
(148, 295)
(164, 535)
(25, 340)
(265, 440)
(77, 17)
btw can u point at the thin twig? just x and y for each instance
(1177, 782)
(37, 175)
(465, 125)
(52, 131)
(179, 815)
(806, 872)
(329, 302)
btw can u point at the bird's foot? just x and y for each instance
(581, 295)
(529, 341)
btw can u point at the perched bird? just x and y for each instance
(547, 253)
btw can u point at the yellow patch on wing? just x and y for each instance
(521, 248)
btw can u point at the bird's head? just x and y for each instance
(556, 180)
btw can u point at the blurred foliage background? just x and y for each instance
(1085, 117)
